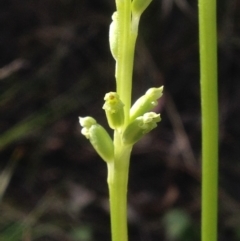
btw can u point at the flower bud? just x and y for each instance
(113, 107)
(145, 103)
(113, 36)
(98, 137)
(138, 6)
(139, 127)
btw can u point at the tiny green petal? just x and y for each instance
(87, 121)
(139, 6)
(99, 138)
(113, 107)
(139, 127)
(155, 93)
(146, 102)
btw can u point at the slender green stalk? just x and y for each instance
(209, 101)
(126, 47)
(117, 182)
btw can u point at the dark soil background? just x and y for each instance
(55, 65)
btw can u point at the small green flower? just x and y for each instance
(113, 107)
(99, 138)
(139, 127)
(113, 36)
(146, 102)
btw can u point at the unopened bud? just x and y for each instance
(145, 103)
(99, 138)
(139, 127)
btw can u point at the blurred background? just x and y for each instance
(55, 65)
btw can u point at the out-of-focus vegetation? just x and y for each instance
(55, 65)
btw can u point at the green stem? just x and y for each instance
(126, 47)
(209, 99)
(117, 182)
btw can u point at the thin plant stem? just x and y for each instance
(126, 47)
(118, 181)
(209, 103)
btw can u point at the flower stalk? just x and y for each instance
(130, 124)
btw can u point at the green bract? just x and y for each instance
(113, 36)
(138, 6)
(139, 127)
(113, 107)
(146, 102)
(98, 137)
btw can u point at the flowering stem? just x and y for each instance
(208, 68)
(118, 169)
(129, 126)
